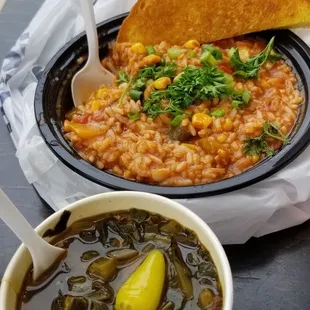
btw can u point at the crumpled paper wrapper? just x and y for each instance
(276, 203)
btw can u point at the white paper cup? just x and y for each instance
(109, 202)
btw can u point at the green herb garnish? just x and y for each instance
(274, 56)
(198, 84)
(150, 50)
(218, 113)
(194, 84)
(240, 98)
(135, 94)
(250, 68)
(215, 52)
(134, 116)
(176, 122)
(139, 84)
(122, 77)
(153, 105)
(168, 70)
(207, 58)
(154, 72)
(272, 131)
(125, 91)
(258, 145)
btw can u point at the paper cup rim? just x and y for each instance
(223, 261)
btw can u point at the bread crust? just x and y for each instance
(176, 21)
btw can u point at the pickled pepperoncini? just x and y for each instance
(144, 286)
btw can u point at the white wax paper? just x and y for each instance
(276, 203)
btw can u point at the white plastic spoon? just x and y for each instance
(92, 75)
(43, 254)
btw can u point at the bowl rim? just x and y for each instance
(54, 139)
(46, 224)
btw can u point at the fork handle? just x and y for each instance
(87, 11)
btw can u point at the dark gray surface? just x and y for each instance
(14, 18)
(270, 273)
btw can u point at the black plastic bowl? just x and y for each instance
(53, 99)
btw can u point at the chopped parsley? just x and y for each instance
(271, 130)
(125, 90)
(258, 145)
(250, 68)
(122, 78)
(154, 72)
(137, 85)
(194, 84)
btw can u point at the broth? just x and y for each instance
(104, 251)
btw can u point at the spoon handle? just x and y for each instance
(17, 223)
(43, 254)
(88, 14)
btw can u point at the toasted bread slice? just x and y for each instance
(176, 21)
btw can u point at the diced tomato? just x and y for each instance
(226, 69)
(82, 119)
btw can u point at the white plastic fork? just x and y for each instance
(92, 75)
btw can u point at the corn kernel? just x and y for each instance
(221, 138)
(284, 130)
(201, 120)
(162, 83)
(138, 48)
(228, 125)
(95, 105)
(255, 159)
(190, 146)
(100, 92)
(264, 84)
(127, 174)
(151, 60)
(192, 44)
